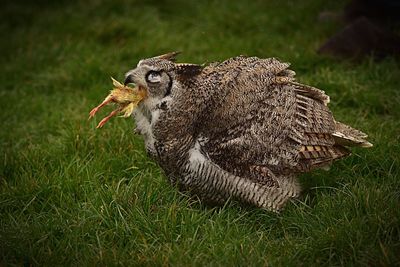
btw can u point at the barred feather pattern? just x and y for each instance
(210, 182)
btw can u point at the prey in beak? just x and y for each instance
(125, 97)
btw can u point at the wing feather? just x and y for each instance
(274, 122)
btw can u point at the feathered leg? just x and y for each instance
(203, 175)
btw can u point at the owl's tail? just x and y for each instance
(347, 136)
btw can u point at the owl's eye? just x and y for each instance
(153, 77)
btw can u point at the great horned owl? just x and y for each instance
(241, 129)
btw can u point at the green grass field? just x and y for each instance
(74, 195)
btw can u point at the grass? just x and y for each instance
(73, 195)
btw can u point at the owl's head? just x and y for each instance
(160, 75)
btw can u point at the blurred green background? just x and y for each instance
(74, 195)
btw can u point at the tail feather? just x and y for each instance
(347, 136)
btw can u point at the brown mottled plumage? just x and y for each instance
(241, 129)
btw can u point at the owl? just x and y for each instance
(239, 129)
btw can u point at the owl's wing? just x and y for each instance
(317, 129)
(268, 121)
(252, 127)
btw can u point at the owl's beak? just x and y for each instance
(128, 79)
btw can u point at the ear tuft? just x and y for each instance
(169, 56)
